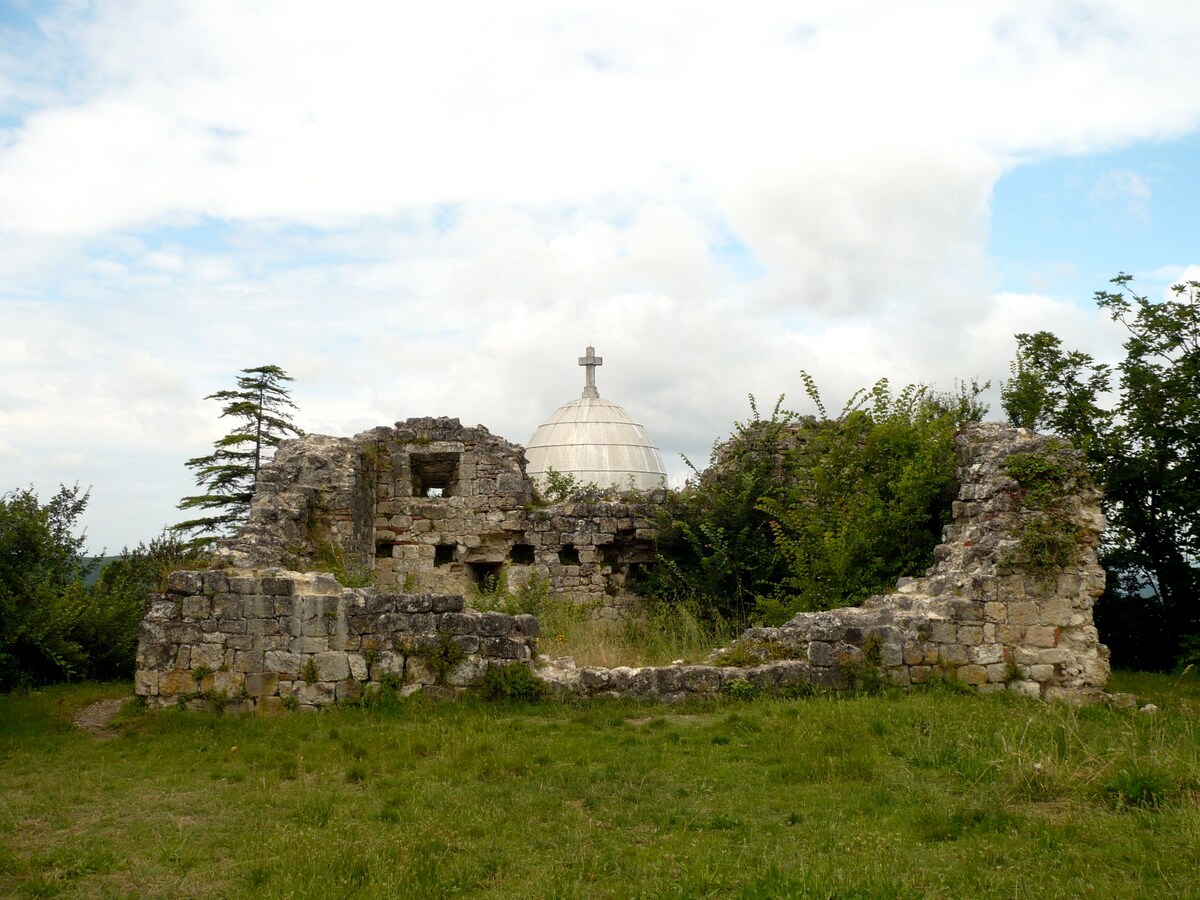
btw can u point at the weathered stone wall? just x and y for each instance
(982, 615)
(432, 506)
(268, 641)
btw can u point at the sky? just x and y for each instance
(432, 209)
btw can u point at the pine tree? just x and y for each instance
(230, 472)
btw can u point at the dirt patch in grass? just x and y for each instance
(95, 717)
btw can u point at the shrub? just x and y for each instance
(441, 656)
(52, 625)
(512, 682)
(804, 513)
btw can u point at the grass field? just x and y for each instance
(932, 794)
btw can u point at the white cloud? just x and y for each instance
(432, 209)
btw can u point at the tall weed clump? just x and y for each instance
(799, 513)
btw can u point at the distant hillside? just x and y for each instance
(100, 562)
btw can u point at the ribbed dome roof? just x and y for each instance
(595, 441)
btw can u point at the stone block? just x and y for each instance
(1041, 673)
(145, 683)
(971, 674)
(314, 627)
(308, 644)
(954, 655)
(970, 634)
(258, 606)
(1026, 689)
(211, 655)
(997, 672)
(185, 582)
(1023, 613)
(469, 643)
(1041, 636)
(358, 666)
(1068, 586)
(156, 655)
(467, 672)
(987, 654)
(278, 586)
(347, 690)
(244, 585)
(320, 693)
(821, 654)
(919, 653)
(503, 648)
(459, 623)
(196, 607)
(892, 654)
(414, 603)
(1010, 634)
(495, 624)
(232, 625)
(332, 666)
(162, 608)
(1056, 612)
(176, 681)
(228, 683)
(527, 625)
(1054, 656)
(215, 582)
(995, 612)
(249, 661)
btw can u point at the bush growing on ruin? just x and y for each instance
(803, 513)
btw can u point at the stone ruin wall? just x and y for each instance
(265, 642)
(977, 616)
(432, 506)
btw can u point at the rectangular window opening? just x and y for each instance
(443, 554)
(522, 554)
(433, 474)
(485, 575)
(568, 555)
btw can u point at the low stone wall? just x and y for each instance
(302, 640)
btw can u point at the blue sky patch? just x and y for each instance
(1066, 225)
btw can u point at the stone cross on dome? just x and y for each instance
(591, 361)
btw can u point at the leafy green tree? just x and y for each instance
(116, 603)
(41, 587)
(261, 403)
(1146, 453)
(1055, 390)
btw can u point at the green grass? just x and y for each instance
(932, 794)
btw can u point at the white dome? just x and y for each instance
(595, 442)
